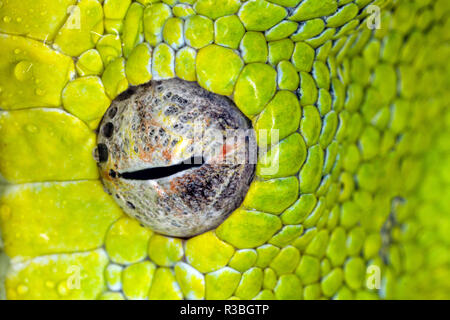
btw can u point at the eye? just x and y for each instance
(176, 157)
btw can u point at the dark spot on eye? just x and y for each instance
(102, 152)
(108, 130)
(170, 110)
(126, 94)
(179, 100)
(112, 112)
(129, 204)
(112, 173)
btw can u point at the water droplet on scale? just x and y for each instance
(49, 284)
(23, 70)
(62, 288)
(22, 289)
(32, 128)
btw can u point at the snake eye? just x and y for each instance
(176, 157)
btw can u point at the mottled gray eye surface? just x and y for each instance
(176, 157)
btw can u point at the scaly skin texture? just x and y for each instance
(364, 160)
